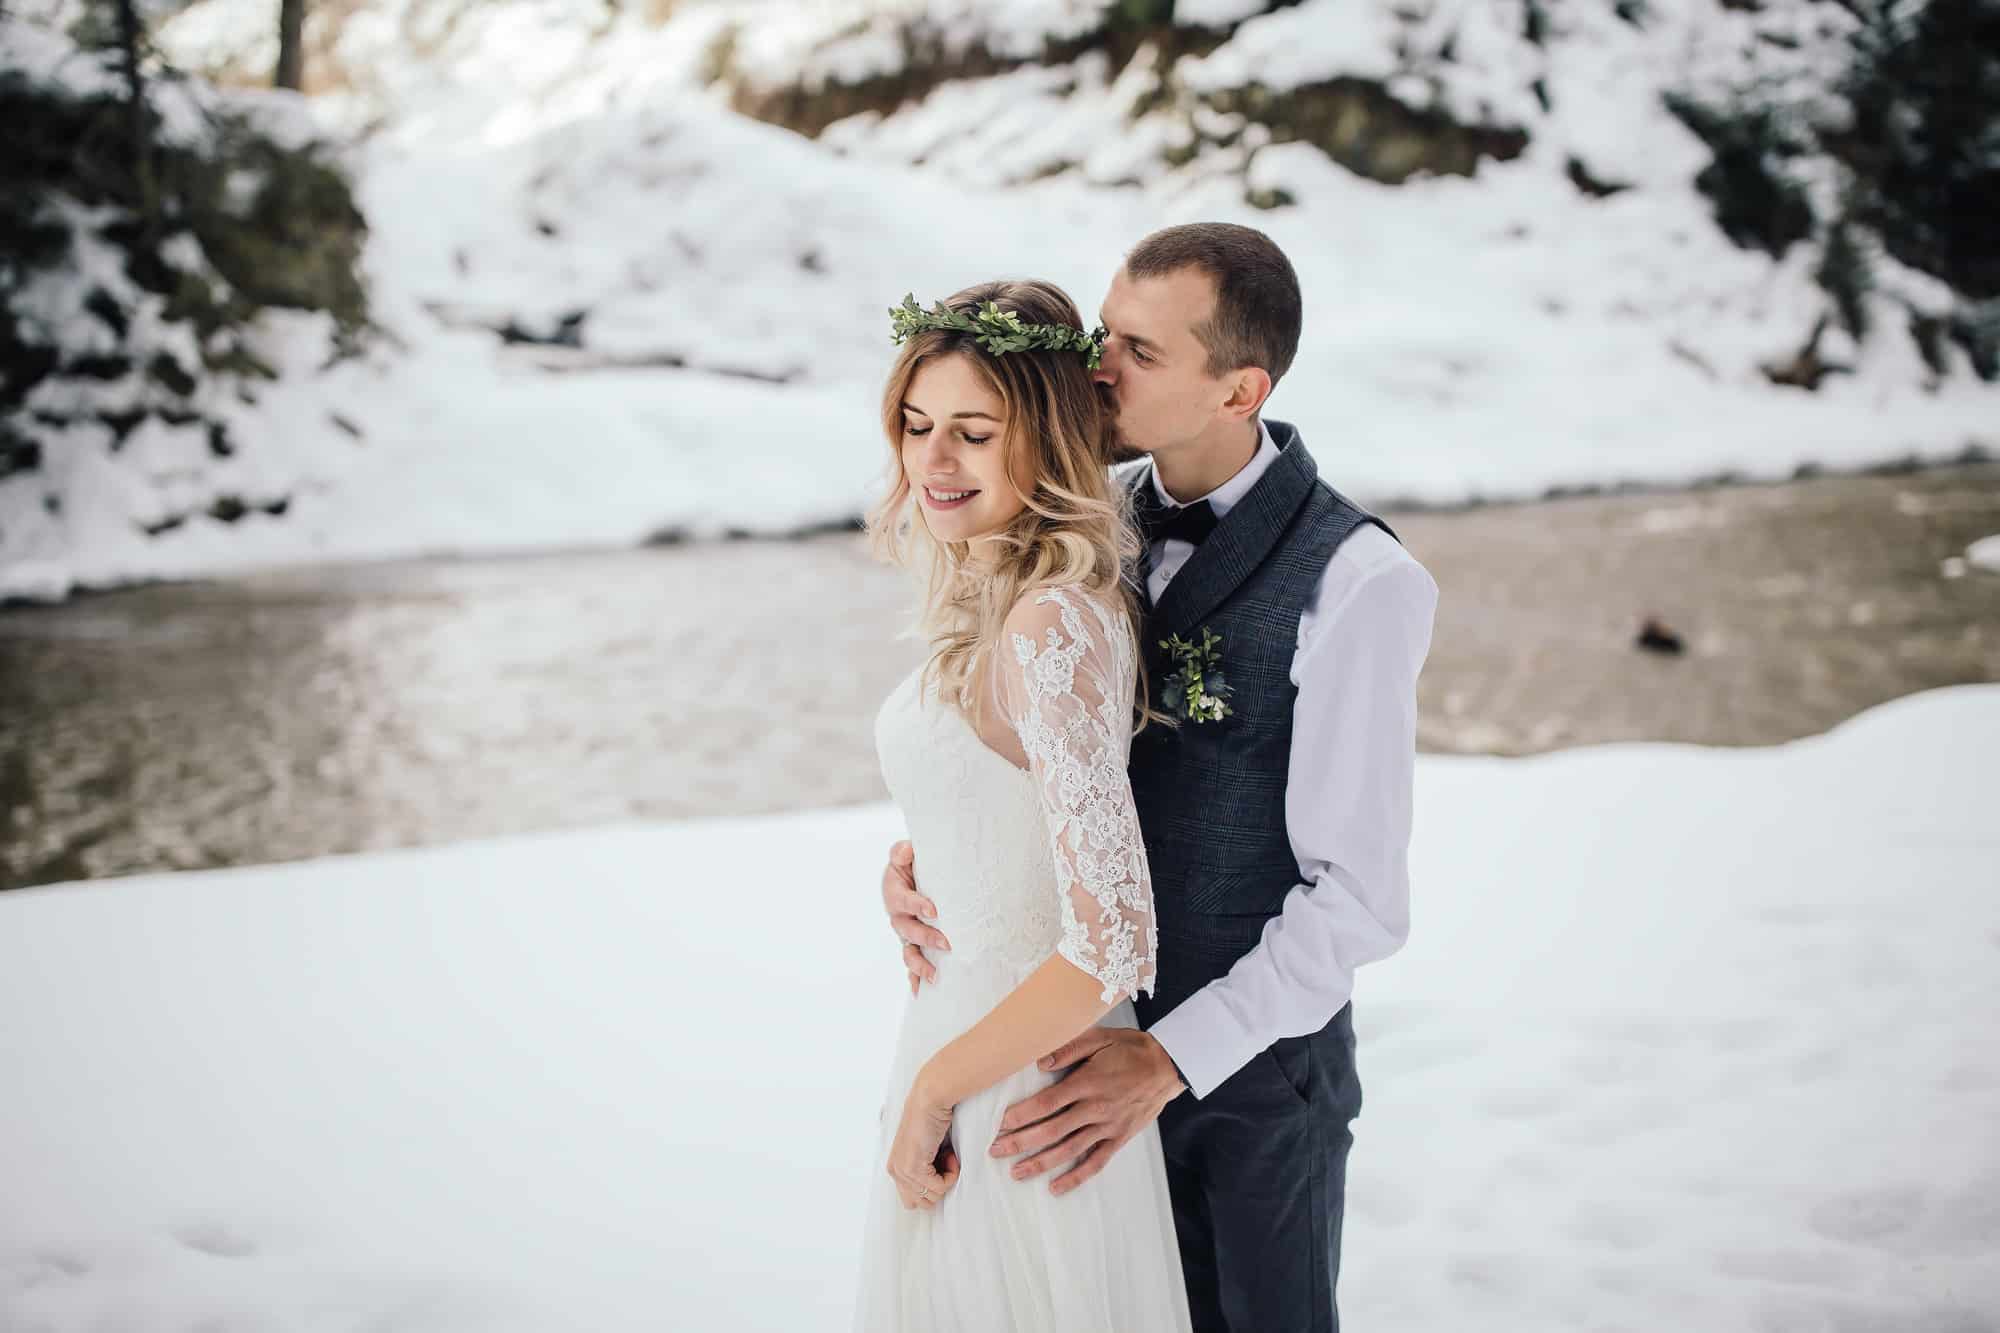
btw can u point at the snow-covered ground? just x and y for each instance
(1483, 336)
(1683, 1039)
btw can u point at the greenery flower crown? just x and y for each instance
(998, 331)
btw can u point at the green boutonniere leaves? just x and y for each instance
(1197, 692)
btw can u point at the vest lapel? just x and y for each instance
(1246, 534)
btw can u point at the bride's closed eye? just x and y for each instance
(918, 432)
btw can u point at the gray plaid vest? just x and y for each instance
(1211, 795)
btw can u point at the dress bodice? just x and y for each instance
(975, 822)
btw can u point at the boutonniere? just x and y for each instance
(1197, 691)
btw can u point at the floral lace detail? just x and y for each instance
(1071, 705)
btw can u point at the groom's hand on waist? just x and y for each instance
(1121, 1081)
(910, 914)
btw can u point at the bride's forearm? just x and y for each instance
(1056, 1002)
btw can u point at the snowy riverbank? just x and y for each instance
(1683, 1038)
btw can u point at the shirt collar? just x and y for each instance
(1229, 492)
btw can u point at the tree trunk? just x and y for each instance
(291, 47)
(141, 146)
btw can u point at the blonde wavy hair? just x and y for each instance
(1076, 529)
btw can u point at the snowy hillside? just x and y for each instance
(614, 305)
(1737, 1077)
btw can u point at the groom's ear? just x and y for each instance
(1248, 388)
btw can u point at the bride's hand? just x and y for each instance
(921, 1163)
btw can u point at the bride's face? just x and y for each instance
(954, 451)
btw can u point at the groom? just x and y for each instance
(1277, 836)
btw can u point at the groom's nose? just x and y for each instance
(1105, 374)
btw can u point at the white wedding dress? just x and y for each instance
(1021, 864)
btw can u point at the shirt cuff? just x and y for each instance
(1205, 1041)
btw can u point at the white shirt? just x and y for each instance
(1362, 640)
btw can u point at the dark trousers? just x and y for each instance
(1258, 1174)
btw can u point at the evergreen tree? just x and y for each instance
(1925, 138)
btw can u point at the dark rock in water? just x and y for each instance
(1655, 637)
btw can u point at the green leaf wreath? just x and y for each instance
(998, 331)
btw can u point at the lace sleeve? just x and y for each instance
(1065, 680)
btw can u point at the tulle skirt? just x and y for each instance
(1000, 1255)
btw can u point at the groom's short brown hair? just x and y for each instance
(1257, 306)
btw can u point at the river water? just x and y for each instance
(313, 711)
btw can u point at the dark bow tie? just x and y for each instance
(1190, 523)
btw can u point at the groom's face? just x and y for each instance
(1155, 371)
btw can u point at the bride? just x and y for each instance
(1006, 753)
